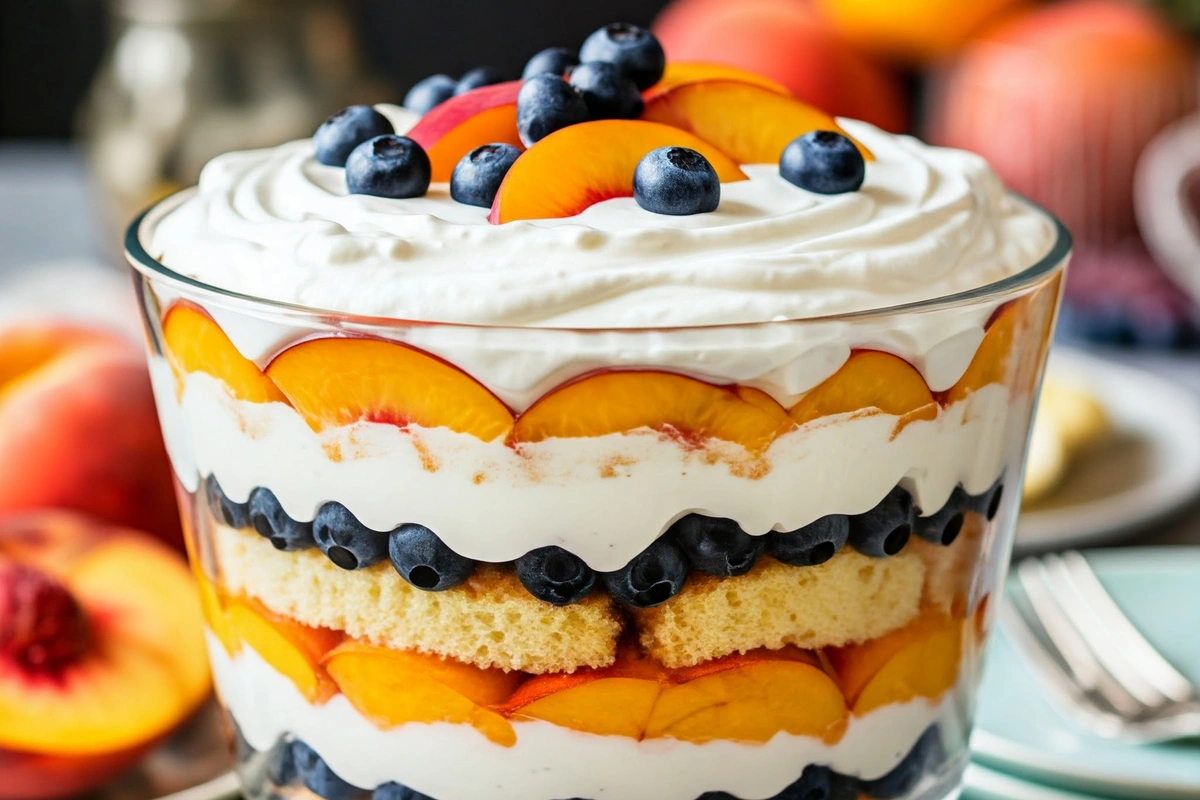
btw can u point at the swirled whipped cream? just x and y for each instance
(928, 222)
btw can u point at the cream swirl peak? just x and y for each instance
(928, 222)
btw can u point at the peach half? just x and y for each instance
(675, 405)
(579, 166)
(487, 115)
(764, 124)
(340, 381)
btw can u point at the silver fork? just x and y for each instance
(1099, 667)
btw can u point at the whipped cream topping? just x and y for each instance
(928, 222)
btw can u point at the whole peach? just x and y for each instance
(79, 430)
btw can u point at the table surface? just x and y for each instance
(49, 211)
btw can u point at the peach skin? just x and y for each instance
(487, 115)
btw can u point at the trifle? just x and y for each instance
(633, 431)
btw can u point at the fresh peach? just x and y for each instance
(869, 381)
(293, 649)
(101, 651)
(195, 343)
(679, 73)
(617, 700)
(1084, 86)
(487, 115)
(765, 124)
(919, 660)
(339, 381)
(992, 362)
(786, 41)
(924, 31)
(675, 405)
(394, 687)
(213, 605)
(750, 698)
(552, 179)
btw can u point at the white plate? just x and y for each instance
(1147, 473)
(981, 783)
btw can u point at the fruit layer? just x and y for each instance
(547, 761)
(612, 495)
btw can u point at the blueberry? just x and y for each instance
(272, 522)
(316, 775)
(477, 177)
(608, 92)
(823, 162)
(820, 783)
(280, 764)
(811, 545)
(347, 129)
(388, 166)
(345, 541)
(676, 181)
(988, 503)
(554, 60)
(884, 530)
(654, 576)
(717, 546)
(633, 49)
(396, 791)
(555, 576)
(227, 512)
(546, 103)
(943, 526)
(429, 93)
(926, 755)
(425, 561)
(480, 76)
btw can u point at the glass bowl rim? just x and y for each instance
(141, 260)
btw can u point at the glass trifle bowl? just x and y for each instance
(456, 540)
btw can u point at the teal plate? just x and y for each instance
(981, 783)
(1020, 732)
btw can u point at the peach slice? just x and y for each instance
(680, 73)
(101, 655)
(621, 402)
(991, 363)
(613, 701)
(750, 698)
(486, 115)
(394, 687)
(212, 604)
(195, 343)
(919, 660)
(585, 164)
(336, 381)
(765, 122)
(293, 649)
(869, 380)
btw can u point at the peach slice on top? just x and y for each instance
(394, 687)
(991, 363)
(486, 115)
(584, 164)
(680, 73)
(750, 123)
(194, 343)
(621, 402)
(340, 381)
(869, 380)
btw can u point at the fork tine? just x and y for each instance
(1148, 661)
(1097, 635)
(1078, 656)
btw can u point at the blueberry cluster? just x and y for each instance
(292, 762)
(712, 545)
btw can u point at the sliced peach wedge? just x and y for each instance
(764, 124)
(993, 361)
(679, 73)
(487, 115)
(340, 381)
(394, 687)
(870, 380)
(584, 164)
(676, 405)
(293, 649)
(195, 343)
